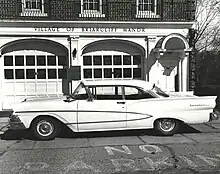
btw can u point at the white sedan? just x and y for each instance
(111, 105)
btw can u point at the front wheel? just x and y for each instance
(166, 126)
(45, 128)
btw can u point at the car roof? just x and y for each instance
(138, 83)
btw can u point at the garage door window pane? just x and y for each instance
(107, 73)
(62, 73)
(98, 73)
(19, 74)
(87, 73)
(30, 60)
(52, 74)
(41, 60)
(8, 60)
(107, 60)
(19, 60)
(87, 60)
(117, 72)
(127, 72)
(9, 74)
(137, 73)
(137, 60)
(51, 60)
(30, 73)
(41, 74)
(126, 60)
(117, 60)
(62, 60)
(97, 60)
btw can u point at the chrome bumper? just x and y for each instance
(213, 116)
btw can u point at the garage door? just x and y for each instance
(32, 73)
(112, 65)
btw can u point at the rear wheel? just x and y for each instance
(45, 128)
(166, 126)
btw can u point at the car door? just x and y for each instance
(138, 107)
(106, 111)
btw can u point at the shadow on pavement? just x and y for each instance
(67, 133)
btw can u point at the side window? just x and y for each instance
(132, 93)
(107, 92)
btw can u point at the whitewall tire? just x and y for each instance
(45, 128)
(166, 126)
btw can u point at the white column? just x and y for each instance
(1, 82)
(180, 75)
(75, 45)
(185, 73)
(145, 63)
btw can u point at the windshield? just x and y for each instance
(159, 91)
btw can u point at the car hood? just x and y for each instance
(39, 103)
(42, 98)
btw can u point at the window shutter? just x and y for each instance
(19, 7)
(98, 5)
(46, 6)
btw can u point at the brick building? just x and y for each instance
(46, 43)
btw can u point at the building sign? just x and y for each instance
(83, 31)
(91, 30)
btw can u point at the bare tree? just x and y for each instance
(207, 25)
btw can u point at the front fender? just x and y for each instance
(27, 118)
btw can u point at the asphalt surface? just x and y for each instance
(194, 150)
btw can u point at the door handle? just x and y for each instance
(120, 102)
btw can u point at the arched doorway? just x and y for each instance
(32, 67)
(171, 55)
(113, 59)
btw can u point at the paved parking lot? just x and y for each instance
(192, 152)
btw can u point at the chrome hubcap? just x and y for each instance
(167, 125)
(45, 128)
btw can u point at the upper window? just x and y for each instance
(91, 8)
(33, 8)
(146, 8)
